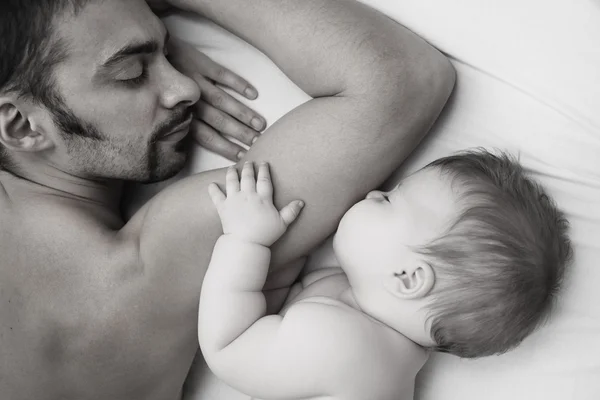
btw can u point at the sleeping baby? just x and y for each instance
(464, 256)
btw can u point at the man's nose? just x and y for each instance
(181, 91)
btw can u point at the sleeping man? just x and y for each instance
(93, 307)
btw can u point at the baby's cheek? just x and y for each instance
(350, 248)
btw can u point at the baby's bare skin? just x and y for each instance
(329, 286)
(323, 344)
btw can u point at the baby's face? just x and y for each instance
(377, 233)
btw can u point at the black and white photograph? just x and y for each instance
(299, 200)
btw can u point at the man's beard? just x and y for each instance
(156, 166)
(157, 170)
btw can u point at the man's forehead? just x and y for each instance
(105, 26)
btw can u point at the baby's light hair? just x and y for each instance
(501, 263)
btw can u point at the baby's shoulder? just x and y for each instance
(364, 352)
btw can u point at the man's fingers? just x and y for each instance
(216, 195)
(211, 140)
(228, 78)
(223, 121)
(232, 181)
(248, 183)
(290, 212)
(223, 101)
(264, 186)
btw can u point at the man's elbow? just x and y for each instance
(411, 91)
(433, 79)
(423, 81)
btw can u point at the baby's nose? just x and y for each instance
(375, 194)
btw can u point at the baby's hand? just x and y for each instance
(247, 211)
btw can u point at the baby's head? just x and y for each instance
(465, 256)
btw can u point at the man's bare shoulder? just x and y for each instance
(61, 269)
(62, 241)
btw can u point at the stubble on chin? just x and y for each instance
(164, 163)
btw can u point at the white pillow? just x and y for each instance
(528, 82)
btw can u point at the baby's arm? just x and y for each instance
(315, 350)
(232, 303)
(231, 298)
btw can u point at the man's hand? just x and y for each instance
(247, 211)
(219, 116)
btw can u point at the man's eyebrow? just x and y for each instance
(146, 47)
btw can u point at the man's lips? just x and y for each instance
(182, 126)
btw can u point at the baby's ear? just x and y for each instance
(411, 282)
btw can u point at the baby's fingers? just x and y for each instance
(216, 195)
(232, 181)
(248, 183)
(290, 212)
(264, 186)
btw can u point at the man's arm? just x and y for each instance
(377, 89)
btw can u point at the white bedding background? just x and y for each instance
(528, 82)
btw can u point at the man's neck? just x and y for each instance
(103, 193)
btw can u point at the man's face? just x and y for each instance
(128, 104)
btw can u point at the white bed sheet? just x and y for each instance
(528, 82)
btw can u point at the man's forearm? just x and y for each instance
(377, 88)
(382, 82)
(326, 47)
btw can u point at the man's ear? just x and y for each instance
(411, 282)
(21, 127)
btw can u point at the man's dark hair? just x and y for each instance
(501, 263)
(30, 50)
